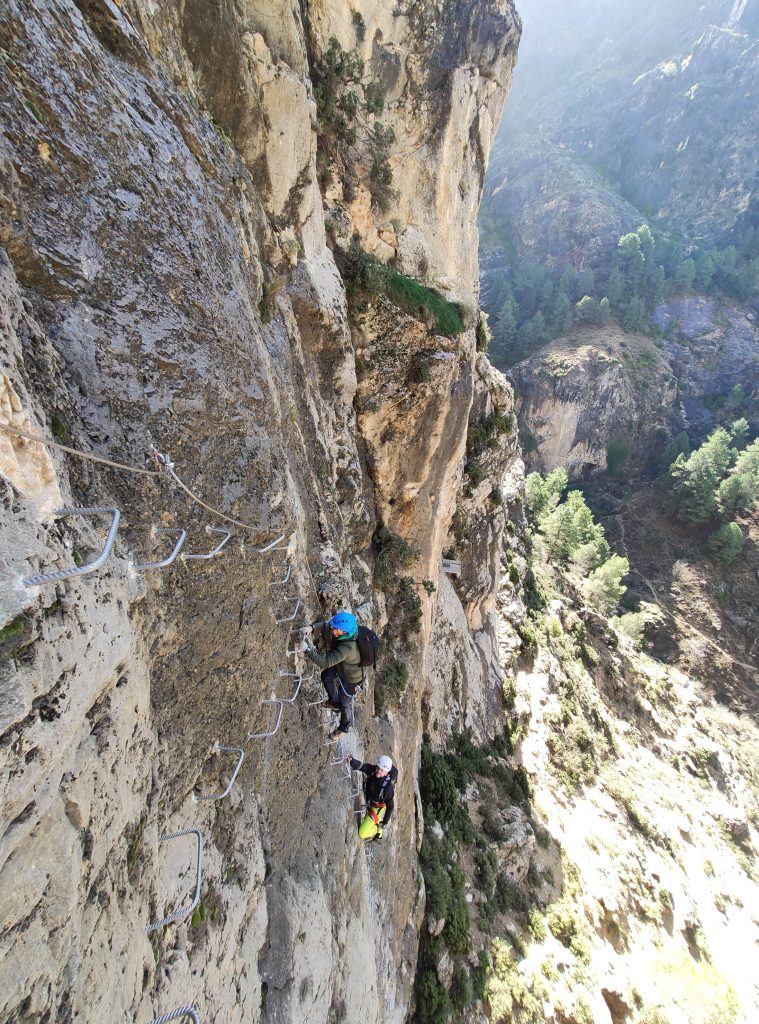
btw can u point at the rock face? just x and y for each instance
(602, 387)
(578, 399)
(164, 286)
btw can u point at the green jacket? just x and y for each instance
(345, 656)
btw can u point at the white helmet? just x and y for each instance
(385, 763)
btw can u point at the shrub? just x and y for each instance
(393, 553)
(432, 1003)
(408, 605)
(438, 887)
(456, 931)
(724, 545)
(491, 823)
(537, 924)
(475, 472)
(514, 575)
(462, 992)
(509, 896)
(484, 861)
(437, 786)
(364, 275)
(391, 682)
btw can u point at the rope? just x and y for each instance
(164, 460)
(72, 451)
(168, 465)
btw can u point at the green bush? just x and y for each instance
(438, 789)
(482, 331)
(462, 992)
(392, 554)
(437, 884)
(408, 606)
(509, 896)
(491, 823)
(724, 545)
(537, 924)
(475, 472)
(391, 681)
(514, 575)
(485, 863)
(432, 1003)
(484, 433)
(456, 931)
(603, 588)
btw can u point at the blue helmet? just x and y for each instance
(346, 622)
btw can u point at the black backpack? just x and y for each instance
(368, 645)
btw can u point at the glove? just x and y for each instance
(348, 757)
(379, 834)
(303, 646)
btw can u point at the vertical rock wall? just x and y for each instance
(162, 286)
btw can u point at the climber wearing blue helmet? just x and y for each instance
(341, 666)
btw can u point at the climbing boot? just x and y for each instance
(336, 734)
(330, 705)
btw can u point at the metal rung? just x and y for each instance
(216, 550)
(289, 618)
(269, 547)
(282, 547)
(263, 735)
(81, 570)
(285, 578)
(300, 680)
(216, 749)
(182, 1011)
(180, 914)
(172, 556)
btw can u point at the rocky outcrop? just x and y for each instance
(166, 283)
(599, 389)
(602, 387)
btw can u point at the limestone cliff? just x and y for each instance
(166, 283)
(600, 389)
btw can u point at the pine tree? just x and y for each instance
(691, 484)
(633, 316)
(679, 445)
(615, 287)
(561, 313)
(736, 494)
(604, 313)
(587, 310)
(542, 495)
(604, 588)
(631, 260)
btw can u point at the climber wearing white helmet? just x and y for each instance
(379, 790)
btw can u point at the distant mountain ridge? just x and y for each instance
(623, 116)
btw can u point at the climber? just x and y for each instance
(342, 670)
(379, 790)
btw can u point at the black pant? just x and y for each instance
(342, 693)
